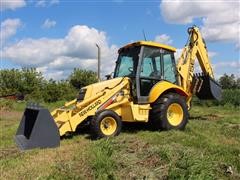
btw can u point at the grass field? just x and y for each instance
(209, 148)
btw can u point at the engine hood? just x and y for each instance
(95, 88)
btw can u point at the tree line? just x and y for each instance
(33, 86)
(31, 83)
(229, 82)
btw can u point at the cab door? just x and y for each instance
(149, 72)
(169, 67)
(155, 65)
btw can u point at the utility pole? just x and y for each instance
(99, 63)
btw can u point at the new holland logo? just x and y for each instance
(89, 108)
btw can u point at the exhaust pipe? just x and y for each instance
(37, 129)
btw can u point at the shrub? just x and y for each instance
(102, 161)
(229, 97)
(80, 78)
(54, 91)
(6, 104)
(26, 81)
(30, 83)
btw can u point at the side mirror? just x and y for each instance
(109, 76)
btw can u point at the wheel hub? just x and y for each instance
(108, 126)
(175, 114)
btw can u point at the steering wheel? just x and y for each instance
(155, 74)
(130, 69)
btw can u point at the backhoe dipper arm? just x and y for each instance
(195, 48)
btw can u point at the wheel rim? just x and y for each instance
(108, 126)
(175, 114)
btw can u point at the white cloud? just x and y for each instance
(212, 54)
(48, 23)
(177, 54)
(164, 39)
(44, 3)
(11, 4)
(54, 2)
(233, 64)
(52, 56)
(9, 28)
(228, 67)
(219, 67)
(220, 19)
(41, 3)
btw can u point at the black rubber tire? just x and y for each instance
(96, 122)
(158, 113)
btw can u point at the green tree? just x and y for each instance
(10, 81)
(67, 91)
(238, 83)
(58, 90)
(80, 78)
(32, 83)
(51, 91)
(228, 82)
(26, 81)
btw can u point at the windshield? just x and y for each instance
(127, 62)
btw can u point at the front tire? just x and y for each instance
(169, 112)
(106, 124)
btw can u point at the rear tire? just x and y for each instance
(169, 112)
(106, 124)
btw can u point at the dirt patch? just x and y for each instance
(9, 152)
(152, 160)
(213, 117)
(234, 126)
(136, 146)
(10, 115)
(229, 141)
(207, 117)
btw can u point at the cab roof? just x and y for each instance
(152, 44)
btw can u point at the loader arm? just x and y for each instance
(40, 129)
(68, 118)
(196, 49)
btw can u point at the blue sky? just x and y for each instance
(56, 36)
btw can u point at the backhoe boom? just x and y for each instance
(191, 83)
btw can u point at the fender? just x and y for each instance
(163, 86)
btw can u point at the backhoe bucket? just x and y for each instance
(37, 129)
(209, 88)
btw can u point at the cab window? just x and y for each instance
(169, 69)
(127, 62)
(147, 67)
(151, 63)
(150, 70)
(125, 67)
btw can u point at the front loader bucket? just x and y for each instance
(209, 88)
(37, 129)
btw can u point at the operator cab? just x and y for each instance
(146, 63)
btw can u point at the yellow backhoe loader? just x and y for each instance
(147, 86)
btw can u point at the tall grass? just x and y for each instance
(102, 162)
(230, 97)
